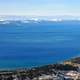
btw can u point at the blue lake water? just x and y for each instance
(34, 44)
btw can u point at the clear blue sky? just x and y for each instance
(40, 7)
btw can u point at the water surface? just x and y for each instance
(34, 44)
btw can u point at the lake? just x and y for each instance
(38, 43)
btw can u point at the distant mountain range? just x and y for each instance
(35, 19)
(38, 18)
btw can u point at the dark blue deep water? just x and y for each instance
(34, 44)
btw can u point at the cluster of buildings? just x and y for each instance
(61, 75)
(50, 72)
(69, 75)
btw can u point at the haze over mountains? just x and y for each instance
(38, 18)
(35, 19)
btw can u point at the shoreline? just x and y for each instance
(34, 67)
(19, 68)
(50, 70)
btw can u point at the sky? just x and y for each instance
(40, 7)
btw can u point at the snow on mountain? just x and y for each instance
(23, 19)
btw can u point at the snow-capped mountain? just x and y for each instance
(29, 19)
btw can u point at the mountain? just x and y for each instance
(27, 19)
